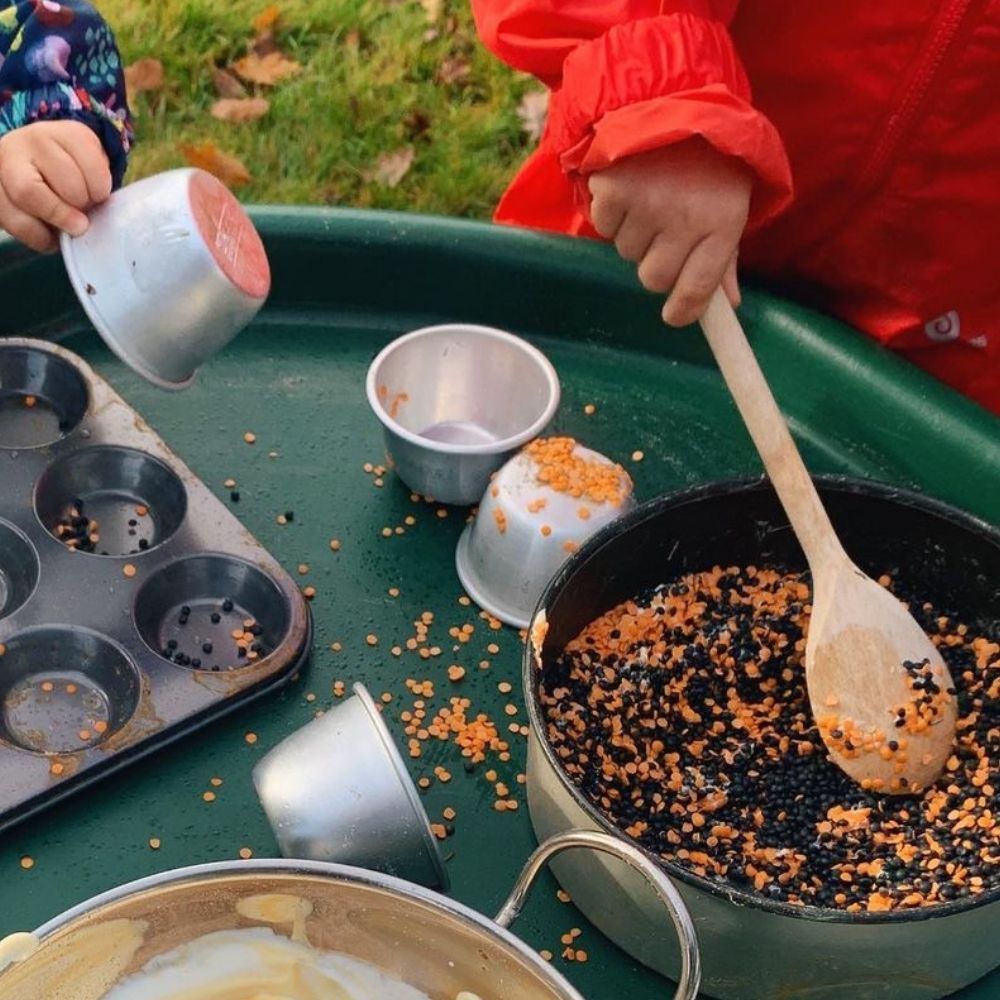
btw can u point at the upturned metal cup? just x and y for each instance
(525, 531)
(169, 271)
(456, 401)
(337, 790)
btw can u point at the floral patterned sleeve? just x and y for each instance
(60, 60)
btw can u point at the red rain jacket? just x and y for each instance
(886, 114)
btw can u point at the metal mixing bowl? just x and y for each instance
(426, 940)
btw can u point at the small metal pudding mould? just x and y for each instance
(428, 941)
(455, 402)
(169, 271)
(524, 531)
(338, 790)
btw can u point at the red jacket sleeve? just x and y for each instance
(627, 79)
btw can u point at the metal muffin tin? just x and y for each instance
(108, 654)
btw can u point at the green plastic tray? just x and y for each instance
(345, 284)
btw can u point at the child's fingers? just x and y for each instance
(731, 284)
(607, 213)
(60, 171)
(662, 263)
(25, 228)
(88, 154)
(28, 192)
(634, 237)
(701, 274)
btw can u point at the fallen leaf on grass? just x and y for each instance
(417, 123)
(266, 70)
(454, 69)
(144, 74)
(432, 8)
(532, 111)
(391, 168)
(207, 156)
(266, 19)
(226, 85)
(240, 109)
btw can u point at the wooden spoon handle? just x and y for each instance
(770, 434)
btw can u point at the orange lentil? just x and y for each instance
(27, 862)
(154, 843)
(129, 570)
(371, 639)
(250, 738)
(250, 437)
(208, 796)
(245, 853)
(335, 544)
(546, 530)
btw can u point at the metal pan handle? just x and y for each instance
(690, 979)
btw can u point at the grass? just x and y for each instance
(369, 86)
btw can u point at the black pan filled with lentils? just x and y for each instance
(672, 698)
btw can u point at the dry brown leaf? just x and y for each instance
(240, 109)
(454, 69)
(144, 74)
(391, 168)
(266, 70)
(207, 156)
(417, 123)
(433, 9)
(533, 110)
(226, 85)
(266, 19)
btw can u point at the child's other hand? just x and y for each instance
(50, 173)
(678, 212)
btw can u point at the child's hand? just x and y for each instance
(679, 212)
(50, 173)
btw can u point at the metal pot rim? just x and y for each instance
(327, 870)
(735, 894)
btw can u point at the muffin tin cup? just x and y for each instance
(108, 541)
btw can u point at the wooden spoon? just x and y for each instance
(880, 693)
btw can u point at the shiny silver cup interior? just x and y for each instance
(428, 941)
(338, 790)
(456, 401)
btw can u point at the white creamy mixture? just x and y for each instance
(257, 964)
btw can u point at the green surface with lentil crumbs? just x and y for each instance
(295, 381)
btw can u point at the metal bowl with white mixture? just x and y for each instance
(428, 941)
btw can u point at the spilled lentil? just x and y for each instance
(683, 716)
